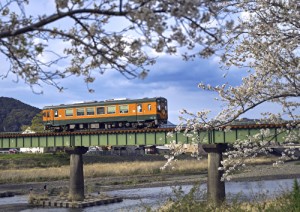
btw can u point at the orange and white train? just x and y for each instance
(120, 113)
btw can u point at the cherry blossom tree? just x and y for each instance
(266, 42)
(77, 37)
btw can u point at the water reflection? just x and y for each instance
(140, 199)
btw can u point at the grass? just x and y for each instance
(16, 161)
(99, 170)
(48, 167)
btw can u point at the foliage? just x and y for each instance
(37, 123)
(295, 197)
(14, 114)
(289, 201)
(186, 202)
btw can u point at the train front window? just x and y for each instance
(80, 111)
(111, 109)
(100, 110)
(90, 111)
(69, 112)
(162, 105)
(123, 108)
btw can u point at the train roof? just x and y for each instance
(106, 102)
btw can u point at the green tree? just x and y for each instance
(37, 123)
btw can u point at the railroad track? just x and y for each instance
(90, 132)
(124, 130)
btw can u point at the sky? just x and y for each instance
(170, 77)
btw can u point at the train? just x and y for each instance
(108, 114)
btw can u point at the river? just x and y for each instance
(139, 199)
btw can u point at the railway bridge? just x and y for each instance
(132, 137)
(77, 143)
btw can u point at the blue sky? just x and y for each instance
(170, 77)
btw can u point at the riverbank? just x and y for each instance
(102, 185)
(287, 170)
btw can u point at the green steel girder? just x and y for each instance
(126, 138)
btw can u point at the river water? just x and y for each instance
(140, 199)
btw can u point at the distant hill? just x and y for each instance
(14, 114)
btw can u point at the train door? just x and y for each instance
(48, 117)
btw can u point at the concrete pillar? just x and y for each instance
(76, 187)
(215, 187)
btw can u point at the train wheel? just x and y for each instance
(149, 125)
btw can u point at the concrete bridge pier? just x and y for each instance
(215, 187)
(76, 187)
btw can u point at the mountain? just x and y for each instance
(14, 114)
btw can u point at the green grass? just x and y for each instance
(288, 202)
(16, 161)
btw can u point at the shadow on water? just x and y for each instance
(140, 199)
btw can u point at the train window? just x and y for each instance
(69, 112)
(139, 108)
(56, 113)
(149, 107)
(80, 111)
(158, 107)
(163, 105)
(48, 114)
(100, 110)
(111, 109)
(123, 108)
(90, 111)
